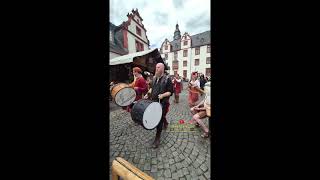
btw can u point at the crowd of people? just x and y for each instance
(161, 86)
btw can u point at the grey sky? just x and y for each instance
(160, 16)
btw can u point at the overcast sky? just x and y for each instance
(160, 16)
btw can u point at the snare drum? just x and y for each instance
(122, 94)
(147, 113)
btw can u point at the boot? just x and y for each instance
(165, 125)
(156, 142)
(177, 99)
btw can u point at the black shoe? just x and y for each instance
(165, 125)
(155, 144)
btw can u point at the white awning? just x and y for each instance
(129, 57)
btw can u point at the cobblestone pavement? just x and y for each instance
(181, 155)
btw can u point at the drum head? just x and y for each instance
(152, 116)
(125, 97)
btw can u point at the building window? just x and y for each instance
(138, 31)
(166, 47)
(197, 50)
(139, 46)
(166, 56)
(208, 72)
(138, 21)
(208, 60)
(184, 63)
(111, 38)
(184, 73)
(185, 53)
(175, 65)
(176, 55)
(208, 49)
(185, 43)
(196, 62)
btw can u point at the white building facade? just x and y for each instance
(129, 37)
(187, 54)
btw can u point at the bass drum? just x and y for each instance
(147, 113)
(123, 94)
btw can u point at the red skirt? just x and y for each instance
(193, 98)
(177, 89)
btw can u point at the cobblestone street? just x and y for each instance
(181, 155)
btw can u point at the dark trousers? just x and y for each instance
(165, 110)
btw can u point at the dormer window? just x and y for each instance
(185, 43)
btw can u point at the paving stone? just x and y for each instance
(185, 171)
(207, 174)
(199, 171)
(147, 167)
(171, 161)
(167, 173)
(188, 177)
(202, 178)
(180, 173)
(154, 161)
(179, 165)
(154, 168)
(204, 167)
(173, 168)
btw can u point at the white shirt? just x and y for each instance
(178, 80)
(195, 83)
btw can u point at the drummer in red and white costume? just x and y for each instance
(139, 84)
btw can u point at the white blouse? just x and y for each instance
(195, 83)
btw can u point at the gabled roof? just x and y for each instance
(201, 39)
(117, 45)
(197, 40)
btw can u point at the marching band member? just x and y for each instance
(139, 84)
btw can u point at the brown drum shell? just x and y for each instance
(117, 88)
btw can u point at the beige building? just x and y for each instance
(186, 53)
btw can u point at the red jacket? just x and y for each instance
(142, 86)
(177, 86)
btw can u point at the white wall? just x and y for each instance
(113, 55)
(163, 47)
(131, 43)
(132, 28)
(132, 39)
(190, 61)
